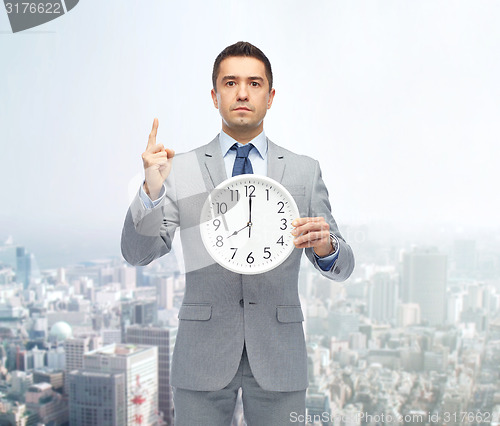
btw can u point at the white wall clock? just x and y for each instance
(246, 224)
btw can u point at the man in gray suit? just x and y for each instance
(235, 331)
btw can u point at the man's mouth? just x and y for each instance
(242, 108)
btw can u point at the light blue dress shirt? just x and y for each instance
(258, 158)
(257, 155)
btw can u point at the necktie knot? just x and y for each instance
(242, 164)
(242, 151)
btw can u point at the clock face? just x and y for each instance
(246, 224)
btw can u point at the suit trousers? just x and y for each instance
(260, 407)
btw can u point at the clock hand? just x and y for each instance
(249, 217)
(235, 232)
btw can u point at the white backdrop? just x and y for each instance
(398, 99)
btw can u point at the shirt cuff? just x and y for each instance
(326, 263)
(148, 203)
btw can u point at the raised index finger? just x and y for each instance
(152, 135)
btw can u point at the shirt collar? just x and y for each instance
(259, 142)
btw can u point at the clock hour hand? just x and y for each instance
(239, 230)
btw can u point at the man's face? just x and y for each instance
(242, 96)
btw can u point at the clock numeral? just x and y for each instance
(221, 208)
(267, 252)
(282, 206)
(233, 196)
(283, 227)
(280, 240)
(250, 259)
(219, 242)
(234, 254)
(267, 194)
(249, 190)
(216, 223)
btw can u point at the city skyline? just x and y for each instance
(377, 348)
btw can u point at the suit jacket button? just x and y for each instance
(242, 303)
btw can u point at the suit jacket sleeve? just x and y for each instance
(148, 233)
(320, 206)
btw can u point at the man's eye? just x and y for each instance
(255, 84)
(230, 83)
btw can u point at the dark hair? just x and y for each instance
(242, 48)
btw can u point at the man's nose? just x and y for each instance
(242, 93)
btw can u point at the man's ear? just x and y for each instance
(271, 97)
(214, 98)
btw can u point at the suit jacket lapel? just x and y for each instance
(214, 162)
(216, 171)
(275, 161)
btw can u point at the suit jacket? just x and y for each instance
(222, 310)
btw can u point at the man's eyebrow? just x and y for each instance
(233, 77)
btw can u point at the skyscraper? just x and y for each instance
(26, 267)
(74, 349)
(139, 364)
(382, 296)
(142, 312)
(163, 338)
(164, 291)
(424, 279)
(97, 398)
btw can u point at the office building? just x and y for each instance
(20, 382)
(164, 291)
(110, 336)
(50, 406)
(139, 364)
(382, 296)
(97, 399)
(74, 349)
(56, 358)
(142, 312)
(54, 377)
(424, 279)
(26, 267)
(408, 314)
(164, 339)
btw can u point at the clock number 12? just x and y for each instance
(249, 190)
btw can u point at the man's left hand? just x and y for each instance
(312, 232)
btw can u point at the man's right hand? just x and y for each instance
(157, 164)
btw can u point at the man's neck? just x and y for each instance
(244, 136)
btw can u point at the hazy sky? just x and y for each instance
(399, 100)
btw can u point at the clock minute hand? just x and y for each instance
(249, 216)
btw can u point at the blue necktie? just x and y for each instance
(242, 164)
